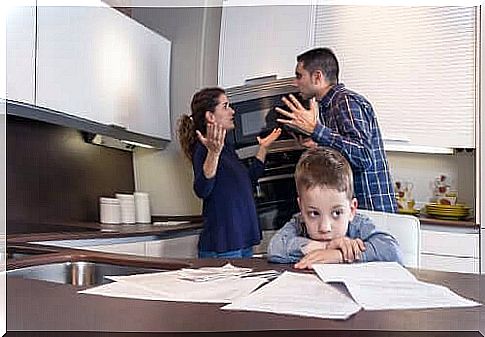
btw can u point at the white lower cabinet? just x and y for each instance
(181, 247)
(132, 248)
(450, 263)
(450, 249)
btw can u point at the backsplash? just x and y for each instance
(53, 176)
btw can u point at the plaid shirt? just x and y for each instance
(348, 124)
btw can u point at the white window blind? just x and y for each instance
(416, 65)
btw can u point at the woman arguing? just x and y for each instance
(224, 184)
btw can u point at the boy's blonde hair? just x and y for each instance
(324, 167)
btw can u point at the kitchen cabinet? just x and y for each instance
(20, 52)
(180, 247)
(98, 64)
(446, 249)
(131, 248)
(258, 41)
(399, 58)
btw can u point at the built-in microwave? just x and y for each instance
(255, 113)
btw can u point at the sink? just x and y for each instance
(79, 273)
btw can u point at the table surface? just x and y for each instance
(39, 305)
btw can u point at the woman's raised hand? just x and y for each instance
(266, 141)
(214, 139)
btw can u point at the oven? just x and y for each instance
(255, 115)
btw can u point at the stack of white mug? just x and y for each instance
(125, 208)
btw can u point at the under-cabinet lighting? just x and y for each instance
(129, 142)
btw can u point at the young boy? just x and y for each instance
(328, 228)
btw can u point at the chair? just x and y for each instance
(406, 230)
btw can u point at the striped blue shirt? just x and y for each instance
(348, 124)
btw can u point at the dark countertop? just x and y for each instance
(39, 305)
(91, 230)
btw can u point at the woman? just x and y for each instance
(230, 221)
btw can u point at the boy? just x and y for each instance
(328, 228)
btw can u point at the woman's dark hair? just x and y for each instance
(322, 59)
(202, 101)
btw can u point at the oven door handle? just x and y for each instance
(275, 177)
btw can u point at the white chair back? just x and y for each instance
(406, 230)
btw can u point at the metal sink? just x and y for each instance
(80, 273)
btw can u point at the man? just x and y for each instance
(343, 120)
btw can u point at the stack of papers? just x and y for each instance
(181, 286)
(387, 285)
(298, 294)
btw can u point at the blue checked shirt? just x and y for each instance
(348, 124)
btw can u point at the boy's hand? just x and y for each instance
(351, 249)
(318, 256)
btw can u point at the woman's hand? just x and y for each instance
(214, 139)
(265, 142)
(351, 249)
(269, 139)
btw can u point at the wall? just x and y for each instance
(194, 33)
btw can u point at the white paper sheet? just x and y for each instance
(381, 271)
(298, 294)
(122, 289)
(169, 286)
(372, 295)
(388, 285)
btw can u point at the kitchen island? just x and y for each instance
(39, 305)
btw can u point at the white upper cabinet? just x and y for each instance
(98, 64)
(258, 41)
(416, 65)
(20, 53)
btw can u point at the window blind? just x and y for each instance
(416, 65)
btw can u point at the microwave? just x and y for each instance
(255, 113)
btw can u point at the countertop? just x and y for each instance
(39, 305)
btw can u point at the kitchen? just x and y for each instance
(165, 173)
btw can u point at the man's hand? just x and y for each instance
(299, 117)
(351, 249)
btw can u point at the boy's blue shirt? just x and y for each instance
(286, 245)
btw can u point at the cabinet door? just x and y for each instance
(98, 64)
(450, 263)
(132, 248)
(182, 247)
(258, 41)
(20, 52)
(450, 244)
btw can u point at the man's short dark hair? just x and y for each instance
(322, 59)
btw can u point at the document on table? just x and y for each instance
(298, 294)
(381, 271)
(173, 286)
(388, 285)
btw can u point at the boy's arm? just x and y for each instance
(287, 245)
(379, 245)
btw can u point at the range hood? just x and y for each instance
(92, 132)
